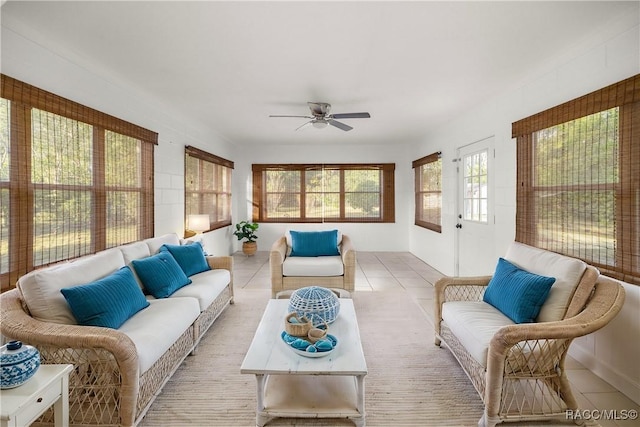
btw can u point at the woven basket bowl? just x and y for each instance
(320, 305)
(297, 326)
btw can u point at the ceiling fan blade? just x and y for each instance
(304, 125)
(351, 116)
(300, 117)
(340, 125)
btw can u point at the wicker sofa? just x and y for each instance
(291, 272)
(518, 368)
(117, 372)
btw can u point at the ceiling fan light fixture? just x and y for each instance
(320, 124)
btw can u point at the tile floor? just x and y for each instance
(403, 271)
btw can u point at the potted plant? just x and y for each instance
(247, 230)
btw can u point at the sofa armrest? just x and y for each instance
(277, 254)
(66, 344)
(224, 262)
(536, 349)
(460, 288)
(348, 253)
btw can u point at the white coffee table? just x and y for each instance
(294, 386)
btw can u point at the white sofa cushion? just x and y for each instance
(155, 243)
(41, 288)
(205, 287)
(474, 323)
(566, 270)
(134, 251)
(321, 266)
(157, 327)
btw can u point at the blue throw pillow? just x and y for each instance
(314, 243)
(190, 257)
(108, 302)
(160, 274)
(517, 293)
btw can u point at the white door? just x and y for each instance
(475, 216)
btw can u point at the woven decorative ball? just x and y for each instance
(318, 304)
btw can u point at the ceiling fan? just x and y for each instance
(320, 117)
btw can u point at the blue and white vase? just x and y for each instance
(19, 362)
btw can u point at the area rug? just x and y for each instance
(411, 382)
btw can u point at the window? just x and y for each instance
(324, 193)
(476, 188)
(428, 189)
(579, 179)
(207, 187)
(73, 180)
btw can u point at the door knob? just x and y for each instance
(458, 225)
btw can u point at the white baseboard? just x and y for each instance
(622, 383)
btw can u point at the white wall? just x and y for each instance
(605, 58)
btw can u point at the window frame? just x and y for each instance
(23, 98)
(626, 96)
(220, 165)
(418, 165)
(386, 192)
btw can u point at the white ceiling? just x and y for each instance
(229, 65)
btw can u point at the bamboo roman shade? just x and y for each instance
(207, 187)
(578, 179)
(324, 192)
(428, 192)
(73, 180)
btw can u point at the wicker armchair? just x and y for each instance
(524, 378)
(280, 282)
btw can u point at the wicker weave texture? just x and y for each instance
(207, 317)
(318, 304)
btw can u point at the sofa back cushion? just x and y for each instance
(566, 270)
(40, 289)
(133, 251)
(136, 250)
(155, 243)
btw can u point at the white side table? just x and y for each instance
(22, 405)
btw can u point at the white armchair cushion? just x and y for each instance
(474, 323)
(567, 272)
(321, 266)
